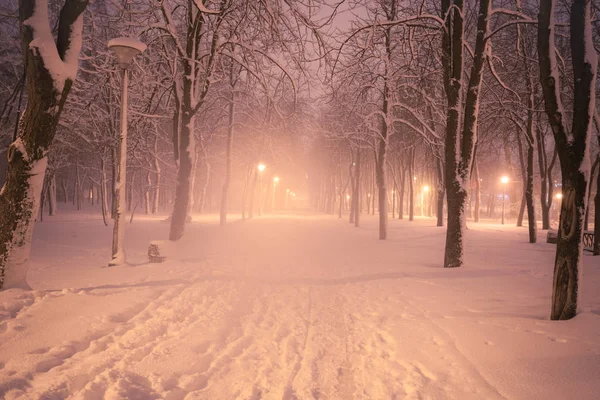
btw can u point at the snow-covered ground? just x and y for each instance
(294, 306)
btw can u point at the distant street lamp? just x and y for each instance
(504, 181)
(125, 49)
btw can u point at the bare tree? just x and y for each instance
(572, 144)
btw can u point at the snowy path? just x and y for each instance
(295, 307)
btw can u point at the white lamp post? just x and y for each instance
(125, 49)
(504, 181)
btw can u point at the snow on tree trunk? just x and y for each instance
(597, 215)
(357, 191)
(52, 195)
(460, 146)
(184, 174)
(530, 149)
(147, 194)
(50, 69)
(477, 192)
(411, 185)
(225, 191)
(573, 147)
(380, 174)
(103, 196)
(156, 198)
(441, 193)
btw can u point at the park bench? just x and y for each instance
(588, 239)
(154, 255)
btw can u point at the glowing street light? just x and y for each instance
(559, 196)
(504, 181)
(125, 49)
(261, 167)
(275, 180)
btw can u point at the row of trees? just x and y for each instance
(459, 83)
(450, 93)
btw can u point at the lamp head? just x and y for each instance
(126, 49)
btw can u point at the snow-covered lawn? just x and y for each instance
(298, 306)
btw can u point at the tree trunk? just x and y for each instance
(477, 192)
(115, 171)
(411, 183)
(458, 163)
(65, 190)
(103, 196)
(156, 197)
(524, 178)
(597, 215)
(529, 188)
(592, 175)
(573, 148)
(28, 154)
(52, 195)
(147, 194)
(441, 193)
(357, 191)
(225, 191)
(184, 175)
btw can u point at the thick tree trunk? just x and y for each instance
(78, 189)
(229, 143)
(115, 170)
(65, 191)
(441, 193)
(573, 147)
(357, 191)
(401, 193)
(147, 204)
(597, 216)
(205, 183)
(529, 195)
(458, 163)
(477, 192)
(411, 185)
(592, 175)
(28, 154)
(524, 178)
(156, 197)
(184, 174)
(103, 196)
(52, 195)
